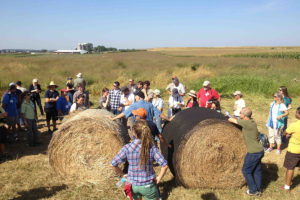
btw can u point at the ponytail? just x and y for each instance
(143, 132)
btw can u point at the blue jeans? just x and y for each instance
(115, 112)
(252, 171)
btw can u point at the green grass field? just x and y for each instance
(28, 174)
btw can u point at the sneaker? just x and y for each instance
(278, 151)
(253, 194)
(268, 150)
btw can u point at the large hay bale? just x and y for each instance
(207, 152)
(83, 146)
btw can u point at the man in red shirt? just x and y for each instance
(205, 94)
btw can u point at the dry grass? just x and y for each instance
(28, 174)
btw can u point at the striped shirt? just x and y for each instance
(131, 152)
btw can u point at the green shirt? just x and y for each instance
(250, 135)
(28, 109)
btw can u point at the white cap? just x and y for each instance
(79, 75)
(237, 93)
(206, 83)
(35, 80)
(11, 84)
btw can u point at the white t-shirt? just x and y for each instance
(239, 105)
(130, 97)
(275, 112)
(173, 103)
(73, 108)
(158, 103)
(180, 87)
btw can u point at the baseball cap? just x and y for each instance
(237, 93)
(141, 112)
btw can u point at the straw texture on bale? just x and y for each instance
(211, 155)
(183, 122)
(83, 146)
(207, 151)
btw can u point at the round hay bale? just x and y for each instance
(83, 146)
(207, 150)
(184, 121)
(211, 155)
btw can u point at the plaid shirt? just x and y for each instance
(131, 152)
(114, 99)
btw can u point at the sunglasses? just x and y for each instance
(275, 96)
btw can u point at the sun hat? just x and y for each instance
(237, 93)
(35, 80)
(79, 75)
(192, 93)
(157, 92)
(141, 112)
(206, 83)
(52, 84)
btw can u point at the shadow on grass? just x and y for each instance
(295, 182)
(270, 174)
(167, 187)
(209, 196)
(40, 193)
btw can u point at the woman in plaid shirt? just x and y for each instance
(141, 153)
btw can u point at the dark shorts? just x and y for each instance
(291, 160)
(51, 114)
(3, 134)
(12, 120)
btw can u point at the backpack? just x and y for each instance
(263, 139)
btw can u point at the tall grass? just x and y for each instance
(284, 55)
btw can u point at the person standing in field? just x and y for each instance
(104, 100)
(287, 101)
(29, 119)
(115, 98)
(292, 157)
(19, 86)
(51, 97)
(127, 99)
(3, 131)
(252, 164)
(141, 154)
(192, 102)
(79, 80)
(78, 105)
(132, 87)
(35, 90)
(62, 104)
(71, 89)
(148, 92)
(175, 103)
(206, 94)
(9, 104)
(176, 84)
(275, 122)
(159, 104)
(81, 91)
(239, 104)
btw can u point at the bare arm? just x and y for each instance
(117, 117)
(232, 120)
(163, 171)
(286, 113)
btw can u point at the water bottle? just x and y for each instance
(120, 182)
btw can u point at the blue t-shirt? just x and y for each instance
(51, 94)
(10, 100)
(151, 110)
(63, 105)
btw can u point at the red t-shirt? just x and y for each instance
(207, 95)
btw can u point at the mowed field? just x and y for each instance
(28, 175)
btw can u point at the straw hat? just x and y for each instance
(52, 84)
(192, 93)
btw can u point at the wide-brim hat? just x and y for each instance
(52, 84)
(157, 92)
(35, 80)
(192, 93)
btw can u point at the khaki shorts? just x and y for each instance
(275, 135)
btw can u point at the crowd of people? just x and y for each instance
(141, 107)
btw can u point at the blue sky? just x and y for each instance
(61, 24)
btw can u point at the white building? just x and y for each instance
(85, 46)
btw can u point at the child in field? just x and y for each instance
(28, 114)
